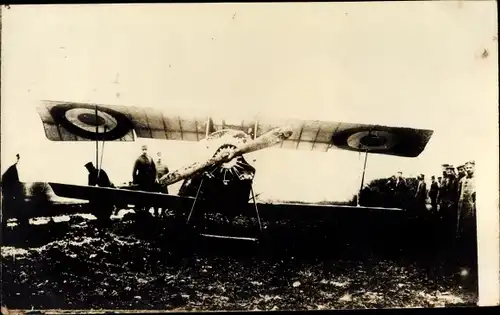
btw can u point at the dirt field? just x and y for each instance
(72, 264)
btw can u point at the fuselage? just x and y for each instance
(226, 185)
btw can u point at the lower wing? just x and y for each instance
(119, 196)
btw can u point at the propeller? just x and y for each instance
(266, 140)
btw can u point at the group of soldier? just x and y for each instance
(145, 177)
(452, 197)
(453, 200)
(452, 209)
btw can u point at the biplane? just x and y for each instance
(224, 180)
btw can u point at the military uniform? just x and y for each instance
(467, 199)
(421, 196)
(433, 194)
(99, 178)
(101, 208)
(448, 204)
(466, 222)
(161, 170)
(144, 174)
(400, 191)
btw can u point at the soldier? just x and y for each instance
(461, 171)
(421, 195)
(389, 187)
(101, 208)
(461, 174)
(97, 177)
(144, 173)
(449, 202)
(433, 194)
(440, 184)
(466, 213)
(466, 220)
(400, 190)
(161, 170)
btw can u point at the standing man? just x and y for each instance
(161, 170)
(440, 184)
(144, 173)
(400, 190)
(433, 194)
(101, 208)
(461, 174)
(421, 195)
(466, 219)
(448, 198)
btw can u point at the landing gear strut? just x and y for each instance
(257, 215)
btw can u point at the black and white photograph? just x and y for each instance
(249, 156)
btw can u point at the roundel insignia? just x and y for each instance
(84, 121)
(372, 140)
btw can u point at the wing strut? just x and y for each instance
(362, 177)
(96, 140)
(102, 155)
(98, 164)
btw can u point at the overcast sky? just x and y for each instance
(416, 64)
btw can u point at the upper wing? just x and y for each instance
(316, 135)
(67, 121)
(70, 121)
(323, 135)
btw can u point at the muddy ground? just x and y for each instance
(140, 263)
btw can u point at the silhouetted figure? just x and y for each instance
(391, 184)
(440, 183)
(13, 195)
(448, 210)
(400, 189)
(97, 177)
(144, 175)
(433, 194)
(442, 186)
(101, 208)
(421, 195)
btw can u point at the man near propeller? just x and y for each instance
(161, 170)
(144, 173)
